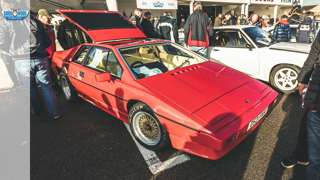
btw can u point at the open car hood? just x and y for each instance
(103, 25)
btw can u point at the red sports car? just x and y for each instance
(168, 94)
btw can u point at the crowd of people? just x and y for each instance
(280, 29)
(164, 27)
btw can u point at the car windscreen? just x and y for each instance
(96, 21)
(259, 36)
(152, 59)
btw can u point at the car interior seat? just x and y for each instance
(147, 53)
(103, 63)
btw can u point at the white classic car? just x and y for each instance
(249, 49)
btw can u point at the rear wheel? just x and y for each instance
(284, 78)
(68, 90)
(146, 128)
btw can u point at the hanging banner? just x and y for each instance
(156, 4)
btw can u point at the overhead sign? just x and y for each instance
(15, 14)
(263, 1)
(274, 2)
(157, 4)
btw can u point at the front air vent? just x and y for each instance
(185, 70)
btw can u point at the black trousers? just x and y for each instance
(301, 150)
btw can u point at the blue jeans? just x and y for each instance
(313, 125)
(203, 51)
(35, 73)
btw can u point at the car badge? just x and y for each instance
(15, 14)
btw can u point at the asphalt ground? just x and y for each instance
(89, 144)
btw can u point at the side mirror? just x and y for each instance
(103, 77)
(249, 46)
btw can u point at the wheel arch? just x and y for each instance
(132, 102)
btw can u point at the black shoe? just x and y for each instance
(303, 162)
(57, 117)
(289, 163)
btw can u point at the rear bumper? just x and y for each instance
(215, 146)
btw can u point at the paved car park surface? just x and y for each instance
(89, 144)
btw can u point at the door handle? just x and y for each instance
(81, 74)
(216, 50)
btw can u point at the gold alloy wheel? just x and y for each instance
(146, 128)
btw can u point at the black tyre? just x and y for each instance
(68, 90)
(146, 128)
(284, 78)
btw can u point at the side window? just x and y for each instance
(113, 65)
(97, 59)
(230, 39)
(69, 35)
(81, 54)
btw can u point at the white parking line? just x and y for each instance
(154, 164)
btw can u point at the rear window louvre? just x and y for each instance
(96, 21)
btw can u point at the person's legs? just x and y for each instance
(42, 75)
(25, 73)
(313, 125)
(22, 71)
(301, 152)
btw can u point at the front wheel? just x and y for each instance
(285, 78)
(68, 90)
(146, 128)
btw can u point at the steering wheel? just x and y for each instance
(137, 64)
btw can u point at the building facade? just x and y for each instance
(180, 8)
(272, 8)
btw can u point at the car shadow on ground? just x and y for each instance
(86, 143)
(286, 141)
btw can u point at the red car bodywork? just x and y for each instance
(206, 108)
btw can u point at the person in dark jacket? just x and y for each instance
(309, 87)
(197, 30)
(45, 18)
(167, 27)
(147, 26)
(233, 17)
(282, 32)
(35, 70)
